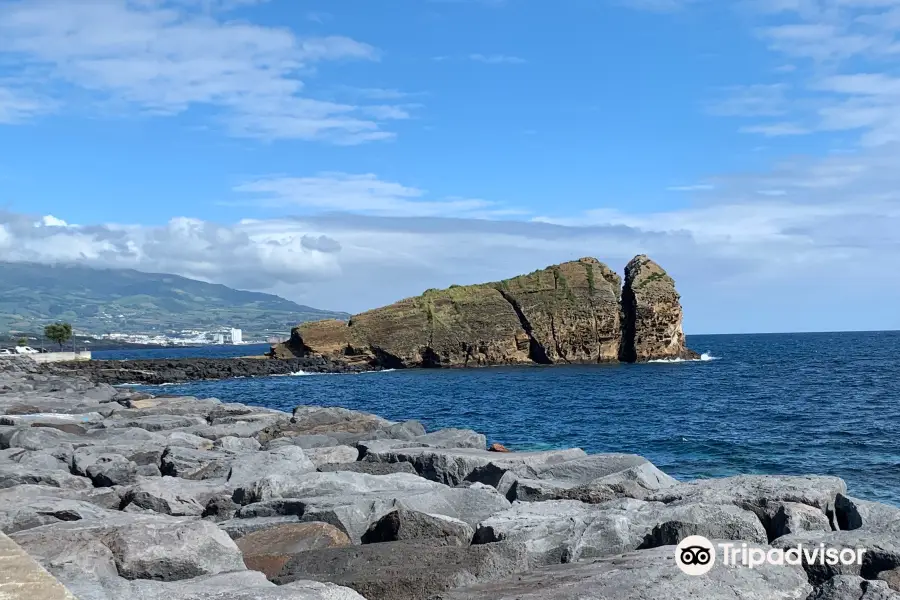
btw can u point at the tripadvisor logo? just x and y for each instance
(696, 555)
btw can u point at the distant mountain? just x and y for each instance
(99, 301)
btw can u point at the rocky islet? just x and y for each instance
(572, 313)
(120, 494)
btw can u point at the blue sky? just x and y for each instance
(348, 153)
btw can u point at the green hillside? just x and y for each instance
(99, 301)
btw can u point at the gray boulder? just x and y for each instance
(189, 463)
(12, 474)
(403, 524)
(352, 501)
(850, 587)
(783, 518)
(188, 440)
(172, 495)
(565, 530)
(853, 513)
(405, 570)
(230, 443)
(453, 466)
(643, 575)
(754, 492)
(244, 585)
(369, 468)
(453, 438)
(34, 458)
(112, 469)
(332, 455)
(286, 463)
(43, 510)
(303, 441)
(143, 547)
(327, 420)
(882, 552)
(155, 422)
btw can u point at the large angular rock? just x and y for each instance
(112, 469)
(621, 475)
(173, 495)
(882, 552)
(23, 495)
(268, 550)
(142, 547)
(643, 575)
(332, 455)
(849, 587)
(853, 513)
(757, 492)
(404, 570)
(566, 530)
(43, 510)
(12, 474)
(453, 466)
(316, 420)
(783, 518)
(369, 468)
(238, 585)
(352, 501)
(141, 453)
(286, 463)
(403, 524)
(35, 458)
(230, 443)
(189, 463)
(156, 422)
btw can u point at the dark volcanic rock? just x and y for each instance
(157, 371)
(403, 524)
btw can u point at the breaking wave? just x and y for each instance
(303, 373)
(705, 357)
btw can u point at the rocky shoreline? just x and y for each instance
(181, 370)
(119, 494)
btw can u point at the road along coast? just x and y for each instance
(119, 494)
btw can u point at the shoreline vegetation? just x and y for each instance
(120, 494)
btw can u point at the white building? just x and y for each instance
(237, 336)
(219, 339)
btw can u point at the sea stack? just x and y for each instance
(574, 312)
(651, 314)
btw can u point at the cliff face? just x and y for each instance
(652, 314)
(567, 313)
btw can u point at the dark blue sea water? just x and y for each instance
(825, 403)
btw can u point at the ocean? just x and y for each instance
(812, 403)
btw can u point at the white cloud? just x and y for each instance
(166, 56)
(17, 105)
(776, 129)
(751, 101)
(497, 59)
(363, 194)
